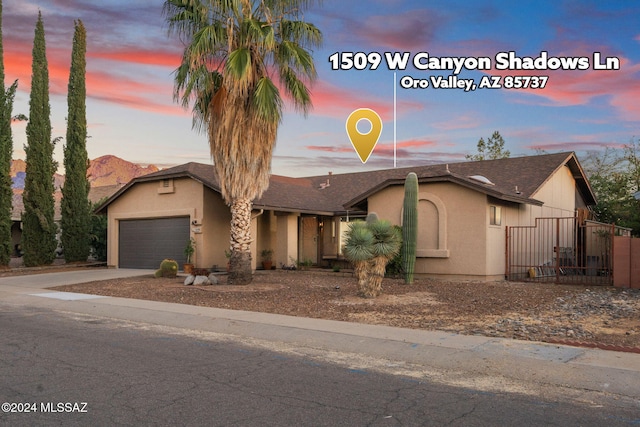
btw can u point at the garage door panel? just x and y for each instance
(144, 243)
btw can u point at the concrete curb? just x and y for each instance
(450, 354)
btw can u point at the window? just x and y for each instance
(495, 215)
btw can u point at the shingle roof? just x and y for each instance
(337, 193)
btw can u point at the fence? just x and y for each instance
(626, 262)
(561, 250)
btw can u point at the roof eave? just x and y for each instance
(292, 210)
(483, 188)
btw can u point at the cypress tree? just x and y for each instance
(39, 229)
(76, 215)
(6, 152)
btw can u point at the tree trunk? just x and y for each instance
(362, 274)
(240, 261)
(372, 286)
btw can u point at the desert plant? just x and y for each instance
(189, 249)
(266, 254)
(386, 245)
(369, 246)
(168, 268)
(394, 267)
(266, 258)
(357, 249)
(409, 226)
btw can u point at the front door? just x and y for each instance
(309, 239)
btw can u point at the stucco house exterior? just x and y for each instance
(464, 209)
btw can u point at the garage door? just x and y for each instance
(144, 243)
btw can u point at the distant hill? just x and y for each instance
(18, 168)
(105, 170)
(112, 170)
(106, 175)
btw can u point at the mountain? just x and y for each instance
(112, 170)
(106, 175)
(18, 168)
(105, 170)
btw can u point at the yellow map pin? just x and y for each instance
(364, 143)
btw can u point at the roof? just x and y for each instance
(515, 179)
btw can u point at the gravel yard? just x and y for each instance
(604, 317)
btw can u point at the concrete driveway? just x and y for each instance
(27, 283)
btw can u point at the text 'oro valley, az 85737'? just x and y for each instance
(502, 61)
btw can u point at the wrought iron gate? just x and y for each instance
(561, 250)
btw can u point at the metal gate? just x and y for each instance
(561, 250)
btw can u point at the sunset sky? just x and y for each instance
(130, 60)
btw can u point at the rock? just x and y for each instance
(189, 280)
(201, 280)
(213, 279)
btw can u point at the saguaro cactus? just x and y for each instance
(409, 226)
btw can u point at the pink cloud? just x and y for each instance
(328, 149)
(567, 87)
(140, 56)
(401, 147)
(131, 93)
(404, 149)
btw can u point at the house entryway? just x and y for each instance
(562, 250)
(309, 233)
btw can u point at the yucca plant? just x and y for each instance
(369, 246)
(386, 245)
(358, 250)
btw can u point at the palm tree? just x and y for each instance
(239, 55)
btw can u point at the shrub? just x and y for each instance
(168, 268)
(370, 246)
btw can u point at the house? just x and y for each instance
(464, 209)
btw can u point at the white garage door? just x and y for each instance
(144, 243)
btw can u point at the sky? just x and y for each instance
(131, 58)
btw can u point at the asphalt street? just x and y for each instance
(78, 359)
(78, 369)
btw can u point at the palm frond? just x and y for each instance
(233, 48)
(267, 100)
